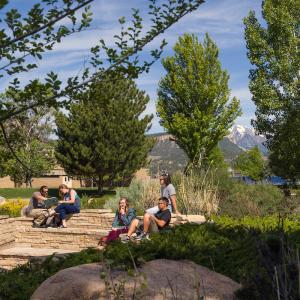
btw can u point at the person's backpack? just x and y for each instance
(44, 219)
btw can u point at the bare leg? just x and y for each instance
(132, 227)
(147, 221)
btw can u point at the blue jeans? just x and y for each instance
(65, 209)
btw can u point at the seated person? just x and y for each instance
(36, 202)
(69, 205)
(123, 217)
(167, 190)
(151, 223)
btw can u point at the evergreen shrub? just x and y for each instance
(21, 282)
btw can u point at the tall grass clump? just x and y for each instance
(197, 191)
(141, 195)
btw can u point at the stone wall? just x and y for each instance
(20, 242)
(7, 230)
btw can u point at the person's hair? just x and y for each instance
(43, 187)
(127, 204)
(165, 199)
(166, 177)
(62, 186)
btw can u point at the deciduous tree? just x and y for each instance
(194, 98)
(274, 52)
(251, 163)
(25, 148)
(26, 38)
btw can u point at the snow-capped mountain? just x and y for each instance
(246, 138)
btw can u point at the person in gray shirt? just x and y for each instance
(167, 190)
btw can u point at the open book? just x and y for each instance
(50, 202)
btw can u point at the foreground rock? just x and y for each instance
(157, 279)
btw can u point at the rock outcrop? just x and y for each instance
(157, 279)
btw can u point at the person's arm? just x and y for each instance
(38, 197)
(174, 203)
(126, 219)
(72, 198)
(160, 223)
(165, 218)
(115, 223)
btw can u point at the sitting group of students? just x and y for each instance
(125, 221)
(154, 220)
(69, 204)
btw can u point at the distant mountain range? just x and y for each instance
(246, 138)
(167, 155)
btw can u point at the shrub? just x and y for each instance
(12, 207)
(21, 282)
(255, 200)
(141, 195)
(91, 202)
(197, 192)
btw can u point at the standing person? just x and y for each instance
(36, 202)
(123, 217)
(151, 222)
(167, 190)
(69, 205)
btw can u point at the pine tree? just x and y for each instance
(103, 135)
(193, 98)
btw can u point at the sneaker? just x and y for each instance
(125, 240)
(143, 236)
(138, 233)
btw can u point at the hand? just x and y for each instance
(122, 211)
(114, 228)
(60, 202)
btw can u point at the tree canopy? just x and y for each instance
(194, 98)
(274, 52)
(103, 135)
(251, 163)
(26, 149)
(26, 38)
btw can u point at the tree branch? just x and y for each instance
(50, 23)
(98, 75)
(11, 149)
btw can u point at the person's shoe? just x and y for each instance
(143, 236)
(138, 233)
(125, 240)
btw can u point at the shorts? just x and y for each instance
(152, 228)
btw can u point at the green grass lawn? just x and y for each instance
(14, 193)
(84, 193)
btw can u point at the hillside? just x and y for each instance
(167, 155)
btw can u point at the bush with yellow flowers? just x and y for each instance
(12, 207)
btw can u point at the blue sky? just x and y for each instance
(222, 19)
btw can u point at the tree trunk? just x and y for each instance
(100, 185)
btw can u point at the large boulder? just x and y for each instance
(157, 279)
